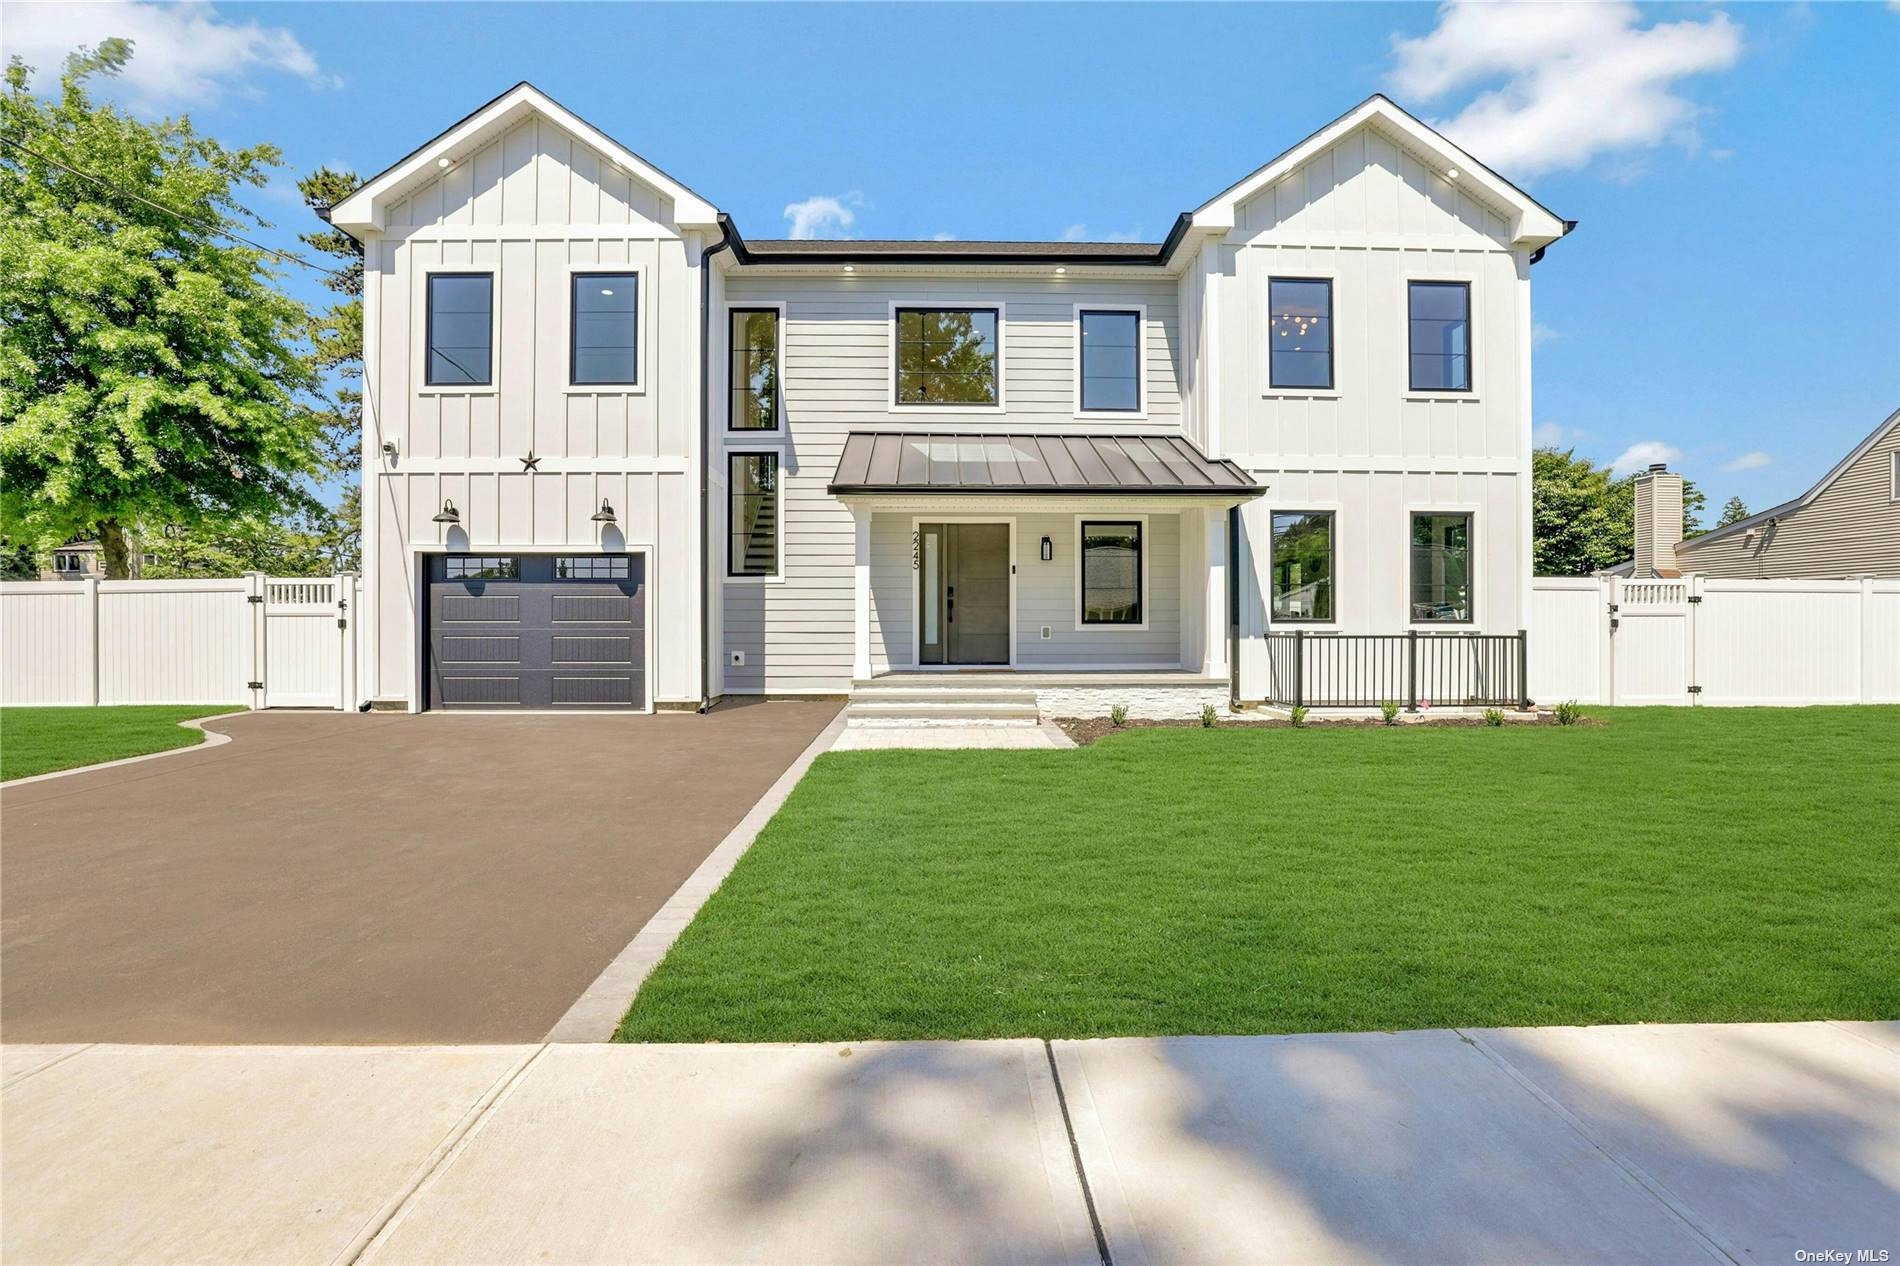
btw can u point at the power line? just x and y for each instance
(181, 217)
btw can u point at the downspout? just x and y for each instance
(705, 462)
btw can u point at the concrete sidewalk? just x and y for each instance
(1701, 1143)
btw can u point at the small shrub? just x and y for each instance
(1493, 716)
(1568, 712)
(1389, 712)
(1298, 716)
(1118, 715)
(1208, 716)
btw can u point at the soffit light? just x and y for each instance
(444, 163)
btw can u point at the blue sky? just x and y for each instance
(1730, 302)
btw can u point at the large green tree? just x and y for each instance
(336, 337)
(1734, 510)
(1583, 519)
(151, 371)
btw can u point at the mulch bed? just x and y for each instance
(1086, 730)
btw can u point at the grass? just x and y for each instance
(41, 740)
(1672, 865)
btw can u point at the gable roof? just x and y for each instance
(1532, 224)
(365, 208)
(1789, 507)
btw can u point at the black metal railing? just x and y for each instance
(1358, 670)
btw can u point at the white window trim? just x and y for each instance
(1337, 510)
(916, 594)
(1271, 392)
(420, 339)
(1408, 391)
(642, 339)
(750, 437)
(1140, 311)
(778, 538)
(1147, 548)
(1894, 474)
(1475, 512)
(947, 410)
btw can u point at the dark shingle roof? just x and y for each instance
(786, 248)
(909, 461)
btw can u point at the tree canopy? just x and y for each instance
(150, 367)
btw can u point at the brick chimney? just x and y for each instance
(1658, 521)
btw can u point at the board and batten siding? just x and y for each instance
(1852, 528)
(530, 207)
(1370, 216)
(796, 632)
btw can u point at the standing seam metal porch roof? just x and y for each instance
(920, 462)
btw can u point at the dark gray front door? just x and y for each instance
(963, 594)
(537, 631)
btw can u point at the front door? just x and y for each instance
(963, 593)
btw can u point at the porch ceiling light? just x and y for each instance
(448, 513)
(606, 512)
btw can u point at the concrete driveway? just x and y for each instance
(331, 878)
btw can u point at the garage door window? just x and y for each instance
(477, 567)
(591, 567)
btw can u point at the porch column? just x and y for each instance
(861, 588)
(1214, 613)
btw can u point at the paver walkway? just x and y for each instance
(1680, 1143)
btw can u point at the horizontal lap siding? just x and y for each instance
(797, 633)
(1045, 594)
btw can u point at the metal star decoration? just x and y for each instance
(530, 462)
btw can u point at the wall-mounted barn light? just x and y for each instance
(606, 512)
(448, 513)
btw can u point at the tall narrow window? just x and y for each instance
(754, 370)
(1111, 573)
(1302, 565)
(461, 324)
(752, 492)
(1441, 568)
(1111, 361)
(1300, 333)
(947, 356)
(606, 318)
(1439, 314)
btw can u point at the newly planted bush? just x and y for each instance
(1118, 715)
(1389, 712)
(1493, 716)
(1298, 716)
(1568, 712)
(1208, 716)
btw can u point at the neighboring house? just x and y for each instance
(80, 560)
(616, 454)
(1848, 524)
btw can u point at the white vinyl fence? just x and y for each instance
(1714, 642)
(256, 641)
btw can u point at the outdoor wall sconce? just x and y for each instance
(1048, 550)
(606, 512)
(448, 514)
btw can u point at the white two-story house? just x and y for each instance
(617, 455)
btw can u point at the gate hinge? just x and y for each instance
(1695, 597)
(253, 597)
(1695, 690)
(343, 624)
(253, 685)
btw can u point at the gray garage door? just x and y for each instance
(537, 631)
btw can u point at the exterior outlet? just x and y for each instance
(1048, 633)
(736, 659)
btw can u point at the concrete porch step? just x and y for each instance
(862, 711)
(941, 694)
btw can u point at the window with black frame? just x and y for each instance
(1111, 361)
(1300, 333)
(460, 330)
(1302, 566)
(1441, 569)
(752, 493)
(1111, 573)
(480, 567)
(947, 357)
(606, 319)
(754, 370)
(1438, 317)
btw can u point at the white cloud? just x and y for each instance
(1541, 333)
(1748, 461)
(824, 215)
(1080, 233)
(182, 54)
(943, 237)
(1562, 83)
(1641, 455)
(1556, 435)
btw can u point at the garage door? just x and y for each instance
(537, 631)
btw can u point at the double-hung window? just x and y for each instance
(461, 330)
(1438, 318)
(1441, 569)
(1302, 566)
(1300, 333)
(754, 373)
(1110, 582)
(1109, 363)
(948, 357)
(605, 323)
(752, 501)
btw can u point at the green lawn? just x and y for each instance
(1671, 865)
(40, 740)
